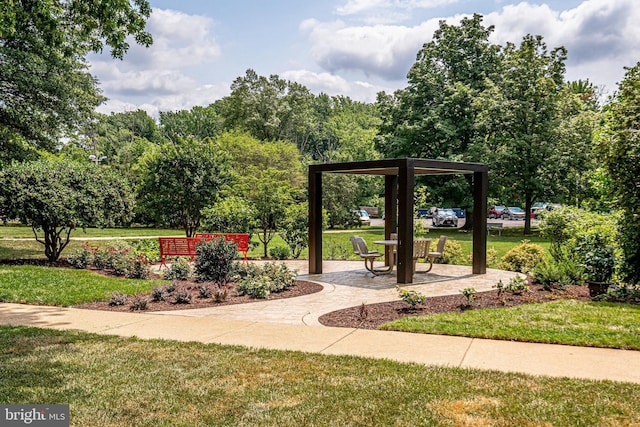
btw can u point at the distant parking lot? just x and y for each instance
(427, 222)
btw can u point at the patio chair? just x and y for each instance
(360, 248)
(437, 254)
(420, 250)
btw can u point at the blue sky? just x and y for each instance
(343, 47)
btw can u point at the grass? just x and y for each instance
(112, 381)
(21, 232)
(593, 324)
(63, 286)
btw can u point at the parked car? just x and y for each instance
(361, 216)
(444, 217)
(496, 212)
(513, 212)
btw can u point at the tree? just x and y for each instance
(521, 117)
(269, 109)
(179, 180)
(44, 84)
(199, 122)
(618, 147)
(57, 196)
(232, 214)
(434, 116)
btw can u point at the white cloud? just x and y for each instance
(332, 84)
(601, 37)
(383, 50)
(158, 73)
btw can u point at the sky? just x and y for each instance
(355, 48)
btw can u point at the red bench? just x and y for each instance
(177, 246)
(186, 246)
(240, 239)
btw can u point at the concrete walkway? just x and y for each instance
(284, 326)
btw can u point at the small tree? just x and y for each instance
(55, 197)
(180, 179)
(296, 228)
(230, 215)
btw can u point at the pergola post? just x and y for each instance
(406, 182)
(315, 221)
(390, 210)
(480, 191)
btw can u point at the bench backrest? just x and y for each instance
(240, 239)
(182, 246)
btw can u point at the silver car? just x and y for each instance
(444, 217)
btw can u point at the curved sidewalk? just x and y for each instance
(506, 356)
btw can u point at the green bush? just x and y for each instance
(82, 257)
(279, 252)
(452, 253)
(150, 248)
(256, 287)
(295, 228)
(522, 258)
(260, 282)
(411, 297)
(214, 259)
(137, 267)
(558, 272)
(517, 285)
(139, 302)
(182, 296)
(180, 269)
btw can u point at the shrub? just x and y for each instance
(204, 290)
(452, 253)
(522, 258)
(279, 252)
(256, 287)
(468, 293)
(517, 285)
(623, 293)
(213, 260)
(295, 228)
(137, 267)
(150, 248)
(281, 277)
(180, 269)
(559, 272)
(220, 293)
(139, 302)
(118, 298)
(169, 288)
(158, 293)
(241, 270)
(81, 258)
(597, 260)
(182, 296)
(411, 297)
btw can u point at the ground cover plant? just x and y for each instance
(117, 381)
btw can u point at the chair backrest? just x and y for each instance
(421, 248)
(441, 241)
(354, 243)
(362, 245)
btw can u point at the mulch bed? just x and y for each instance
(371, 316)
(300, 288)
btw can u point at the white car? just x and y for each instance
(513, 212)
(444, 217)
(362, 217)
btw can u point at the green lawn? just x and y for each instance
(594, 324)
(111, 381)
(18, 231)
(63, 286)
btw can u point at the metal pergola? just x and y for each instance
(399, 183)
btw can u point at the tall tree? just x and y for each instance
(44, 84)
(269, 109)
(619, 149)
(521, 116)
(434, 116)
(179, 180)
(199, 122)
